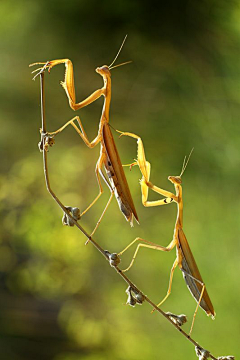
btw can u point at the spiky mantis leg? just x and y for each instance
(68, 83)
(145, 168)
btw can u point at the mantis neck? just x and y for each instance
(107, 99)
(179, 221)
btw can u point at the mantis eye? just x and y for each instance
(175, 179)
(178, 179)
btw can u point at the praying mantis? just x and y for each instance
(184, 257)
(109, 157)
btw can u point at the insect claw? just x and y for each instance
(133, 164)
(41, 69)
(36, 70)
(37, 63)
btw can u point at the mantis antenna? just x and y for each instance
(118, 52)
(186, 162)
(127, 62)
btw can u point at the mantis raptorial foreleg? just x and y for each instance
(146, 244)
(145, 168)
(68, 83)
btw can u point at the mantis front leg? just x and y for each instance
(68, 83)
(145, 168)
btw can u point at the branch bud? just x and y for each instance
(179, 320)
(74, 212)
(202, 353)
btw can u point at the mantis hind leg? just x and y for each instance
(108, 203)
(170, 282)
(98, 173)
(196, 310)
(97, 170)
(200, 296)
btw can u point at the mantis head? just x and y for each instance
(175, 179)
(104, 71)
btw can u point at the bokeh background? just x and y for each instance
(59, 299)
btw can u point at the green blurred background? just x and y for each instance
(59, 299)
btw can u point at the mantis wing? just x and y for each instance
(189, 266)
(117, 176)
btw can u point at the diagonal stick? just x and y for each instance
(90, 239)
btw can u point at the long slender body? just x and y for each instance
(109, 157)
(184, 259)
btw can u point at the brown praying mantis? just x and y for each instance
(109, 157)
(184, 259)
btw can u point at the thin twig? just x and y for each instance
(90, 239)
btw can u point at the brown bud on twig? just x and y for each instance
(46, 141)
(40, 146)
(134, 297)
(49, 141)
(202, 353)
(138, 296)
(114, 259)
(74, 212)
(179, 320)
(130, 300)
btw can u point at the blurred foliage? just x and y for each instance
(58, 299)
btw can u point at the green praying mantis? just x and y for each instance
(184, 257)
(109, 157)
